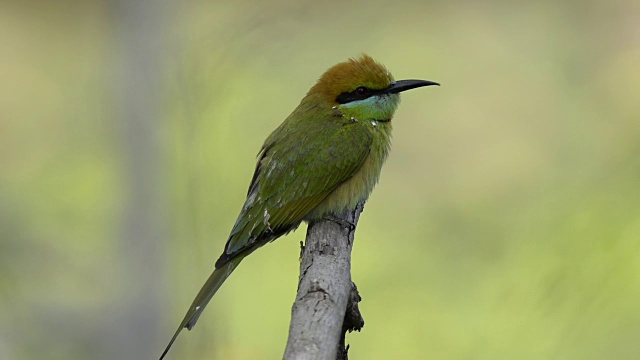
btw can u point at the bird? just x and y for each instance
(322, 161)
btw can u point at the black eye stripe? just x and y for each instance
(359, 93)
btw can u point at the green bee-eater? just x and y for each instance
(321, 161)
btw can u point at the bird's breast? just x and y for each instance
(347, 195)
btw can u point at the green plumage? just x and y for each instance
(323, 159)
(301, 163)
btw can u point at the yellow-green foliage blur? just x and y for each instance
(506, 224)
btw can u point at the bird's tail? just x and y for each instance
(209, 289)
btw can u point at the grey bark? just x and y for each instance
(326, 303)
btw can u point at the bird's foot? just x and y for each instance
(344, 223)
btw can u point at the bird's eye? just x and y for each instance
(361, 90)
(360, 93)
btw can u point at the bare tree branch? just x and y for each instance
(352, 321)
(319, 318)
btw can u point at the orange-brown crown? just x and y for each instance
(348, 75)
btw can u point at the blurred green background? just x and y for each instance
(506, 224)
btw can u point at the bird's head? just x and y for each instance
(363, 89)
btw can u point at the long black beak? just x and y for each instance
(394, 88)
(404, 85)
